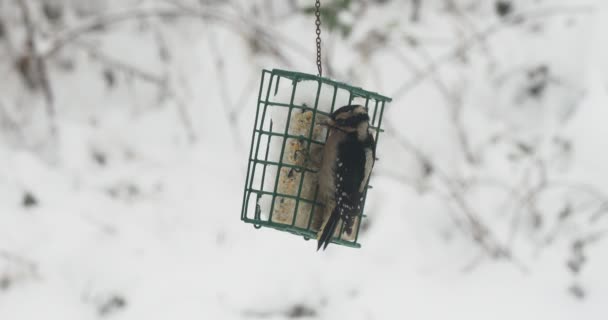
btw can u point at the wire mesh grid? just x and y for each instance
(286, 145)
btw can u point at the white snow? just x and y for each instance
(157, 223)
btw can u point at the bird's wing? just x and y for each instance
(349, 175)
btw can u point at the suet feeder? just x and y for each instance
(286, 149)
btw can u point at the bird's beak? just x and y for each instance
(326, 122)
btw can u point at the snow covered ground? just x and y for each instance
(125, 216)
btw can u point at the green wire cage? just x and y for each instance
(286, 146)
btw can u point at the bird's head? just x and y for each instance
(349, 118)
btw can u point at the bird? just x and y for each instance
(348, 157)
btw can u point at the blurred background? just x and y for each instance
(125, 128)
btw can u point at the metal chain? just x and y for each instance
(318, 24)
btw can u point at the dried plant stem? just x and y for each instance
(37, 66)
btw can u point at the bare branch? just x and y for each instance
(35, 66)
(113, 63)
(106, 20)
(224, 94)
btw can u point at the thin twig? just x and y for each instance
(479, 232)
(30, 266)
(224, 94)
(242, 26)
(456, 110)
(106, 20)
(184, 116)
(469, 24)
(161, 82)
(528, 200)
(114, 63)
(38, 66)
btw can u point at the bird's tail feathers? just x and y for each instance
(328, 230)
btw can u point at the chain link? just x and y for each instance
(318, 31)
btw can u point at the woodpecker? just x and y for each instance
(348, 158)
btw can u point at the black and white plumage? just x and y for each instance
(348, 159)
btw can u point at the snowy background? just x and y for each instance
(124, 133)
